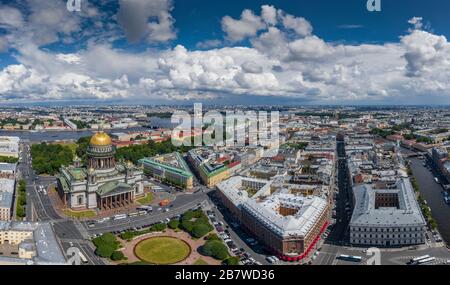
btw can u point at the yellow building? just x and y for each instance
(15, 237)
(9, 146)
(5, 213)
(213, 178)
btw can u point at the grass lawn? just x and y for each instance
(79, 215)
(162, 250)
(200, 262)
(146, 200)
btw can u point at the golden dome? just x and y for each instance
(101, 139)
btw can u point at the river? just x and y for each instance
(154, 123)
(59, 135)
(432, 193)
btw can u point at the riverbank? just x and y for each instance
(432, 193)
(48, 136)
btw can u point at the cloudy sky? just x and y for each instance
(248, 51)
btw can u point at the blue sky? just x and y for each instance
(345, 21)
(309, 51)
(199, 19)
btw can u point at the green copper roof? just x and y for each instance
(184, 170)
(79, 174)
(213, 173)
(112, 188)
(63, 183)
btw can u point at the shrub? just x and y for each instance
(117, 255)
(173, 224)
(106, 239)
(215, 249)
(105, 250)
(106, 245)
(200, 229)
(187, 225)
(158, 227)
(127, 235)
(212, 236)
(189, 215)
(196, 223)
(232, 261)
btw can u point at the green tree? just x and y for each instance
(200, 229)
(7, 159)
(117, 255)
(215, 249)
(106, 244)
(105, 250)
(48, 158)
(21, 199)
(187, 225)
(173, 224)
(135, 152)
(127, 235)
(106, 239)
(433, 224)
(158, 227)
(82, 146)
(212, 236)
(232, 260)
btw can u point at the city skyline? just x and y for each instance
(270, 52)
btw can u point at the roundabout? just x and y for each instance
(163, 250)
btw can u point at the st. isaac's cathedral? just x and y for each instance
(104, 184)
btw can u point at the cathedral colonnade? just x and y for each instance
(115, 201)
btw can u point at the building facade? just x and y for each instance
(9, 146)
(104, 184)
(288, 225)
(35, 243)
(6, 198)
(208, 168)
(387, 218)
(7, 189)
(171, 169)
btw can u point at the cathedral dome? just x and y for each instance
(101, 139)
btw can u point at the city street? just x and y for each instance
(330, 253)
(236, 233)
(339, 231)
(40, 208)
(77, 234)
(181, 204)
(333, 248)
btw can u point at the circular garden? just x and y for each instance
(162, 250)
